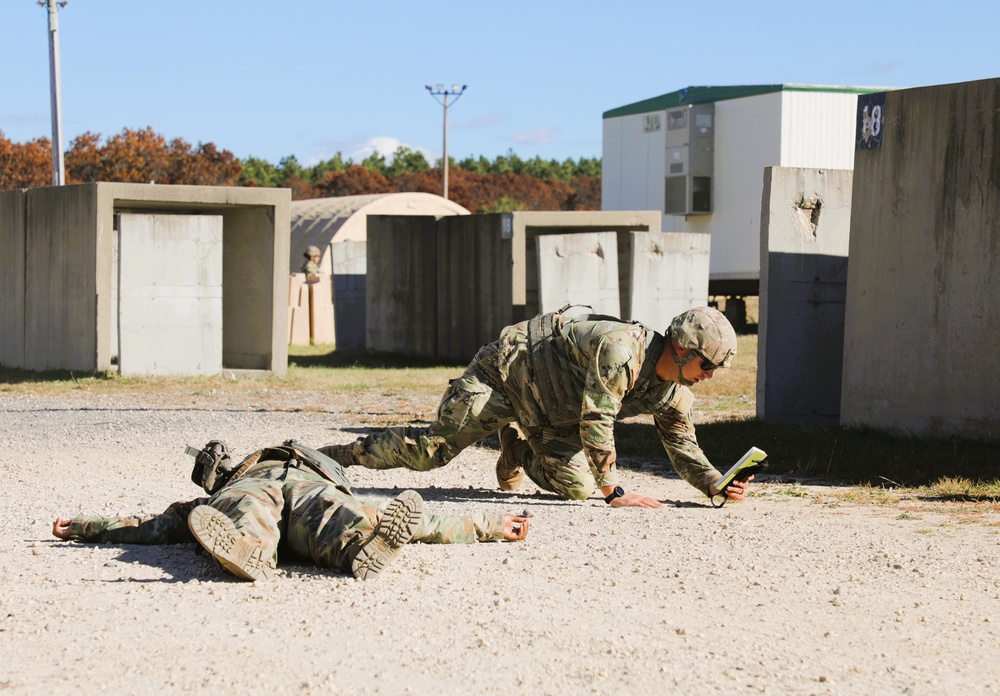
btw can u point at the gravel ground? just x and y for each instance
(782, 594)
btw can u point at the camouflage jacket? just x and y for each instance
(592, 370)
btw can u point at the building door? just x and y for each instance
(169, 294)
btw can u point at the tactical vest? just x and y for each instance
(558, 379)
(290, 452)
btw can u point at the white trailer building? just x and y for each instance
(699, 154)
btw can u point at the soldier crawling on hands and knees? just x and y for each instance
(554, 386)
(298, 497)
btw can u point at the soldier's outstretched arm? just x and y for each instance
(169, 527)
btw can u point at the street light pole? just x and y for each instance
(436, 91)
(58, 165)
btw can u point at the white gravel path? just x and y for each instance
(779, 594)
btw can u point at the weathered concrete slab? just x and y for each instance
(805, 233)
(474, 284)
(668, 274)
(349, 261)
(170, 312)
(401, 293)
(12, 269)
(579, 269)
(921, 336)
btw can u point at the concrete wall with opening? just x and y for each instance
(165, 279)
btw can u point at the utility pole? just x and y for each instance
(436, 91)
(58, 165)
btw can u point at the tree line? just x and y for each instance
(144, 156)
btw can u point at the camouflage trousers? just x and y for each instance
(306, 514)
(473, 407)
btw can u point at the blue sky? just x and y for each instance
(272, 78)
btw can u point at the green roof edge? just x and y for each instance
(703, 95)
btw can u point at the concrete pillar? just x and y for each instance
(805, 231)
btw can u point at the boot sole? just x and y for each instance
(234, 552)
(394, 530)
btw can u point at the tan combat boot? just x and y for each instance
(510, 474)
(241, 555)
(398, 524)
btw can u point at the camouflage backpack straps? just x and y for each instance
(323, 465)
(551, 371)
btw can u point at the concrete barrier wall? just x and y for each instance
(401, 292)
(667, 274)
(923, 321)
(61, 279)
(68, 269)
(12, 243)
(805, 233)
(349, 261)
(579, 268)
(474, 283)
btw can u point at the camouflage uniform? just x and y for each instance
(287, 502)
(565, 383)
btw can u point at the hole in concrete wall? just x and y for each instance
(806, 215)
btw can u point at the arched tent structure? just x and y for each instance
(325, 221)
(339, 227)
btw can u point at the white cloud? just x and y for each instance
(540, 136)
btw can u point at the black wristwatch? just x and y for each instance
(618, 492)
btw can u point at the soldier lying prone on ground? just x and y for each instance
(292, 494)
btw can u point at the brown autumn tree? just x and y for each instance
(205, 165)
(353, 181)
(586, 193)
(84, 159)
(25, 165)
(137, 156)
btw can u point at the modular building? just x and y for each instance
(698, 155)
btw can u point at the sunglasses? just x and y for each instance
(706, 364)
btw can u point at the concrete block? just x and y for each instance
(578, 269)
(321, 311)
(170, 311)
(920, 339)
(805, 233)
(349, 283)
(12, 270)
(401, 293)
(668, 274)
(298, 332)
(473, 284)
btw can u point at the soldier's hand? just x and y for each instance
(60, 528)
(515, 527)
(737, 490)
(636, 500)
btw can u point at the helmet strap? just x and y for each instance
(681, 363)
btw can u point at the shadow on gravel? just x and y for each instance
(437, 493)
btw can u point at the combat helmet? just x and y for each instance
(708, 333)
(312, 251)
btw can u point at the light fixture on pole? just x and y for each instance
(437, 91)
(58, 166)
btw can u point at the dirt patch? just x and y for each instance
(801, 589)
